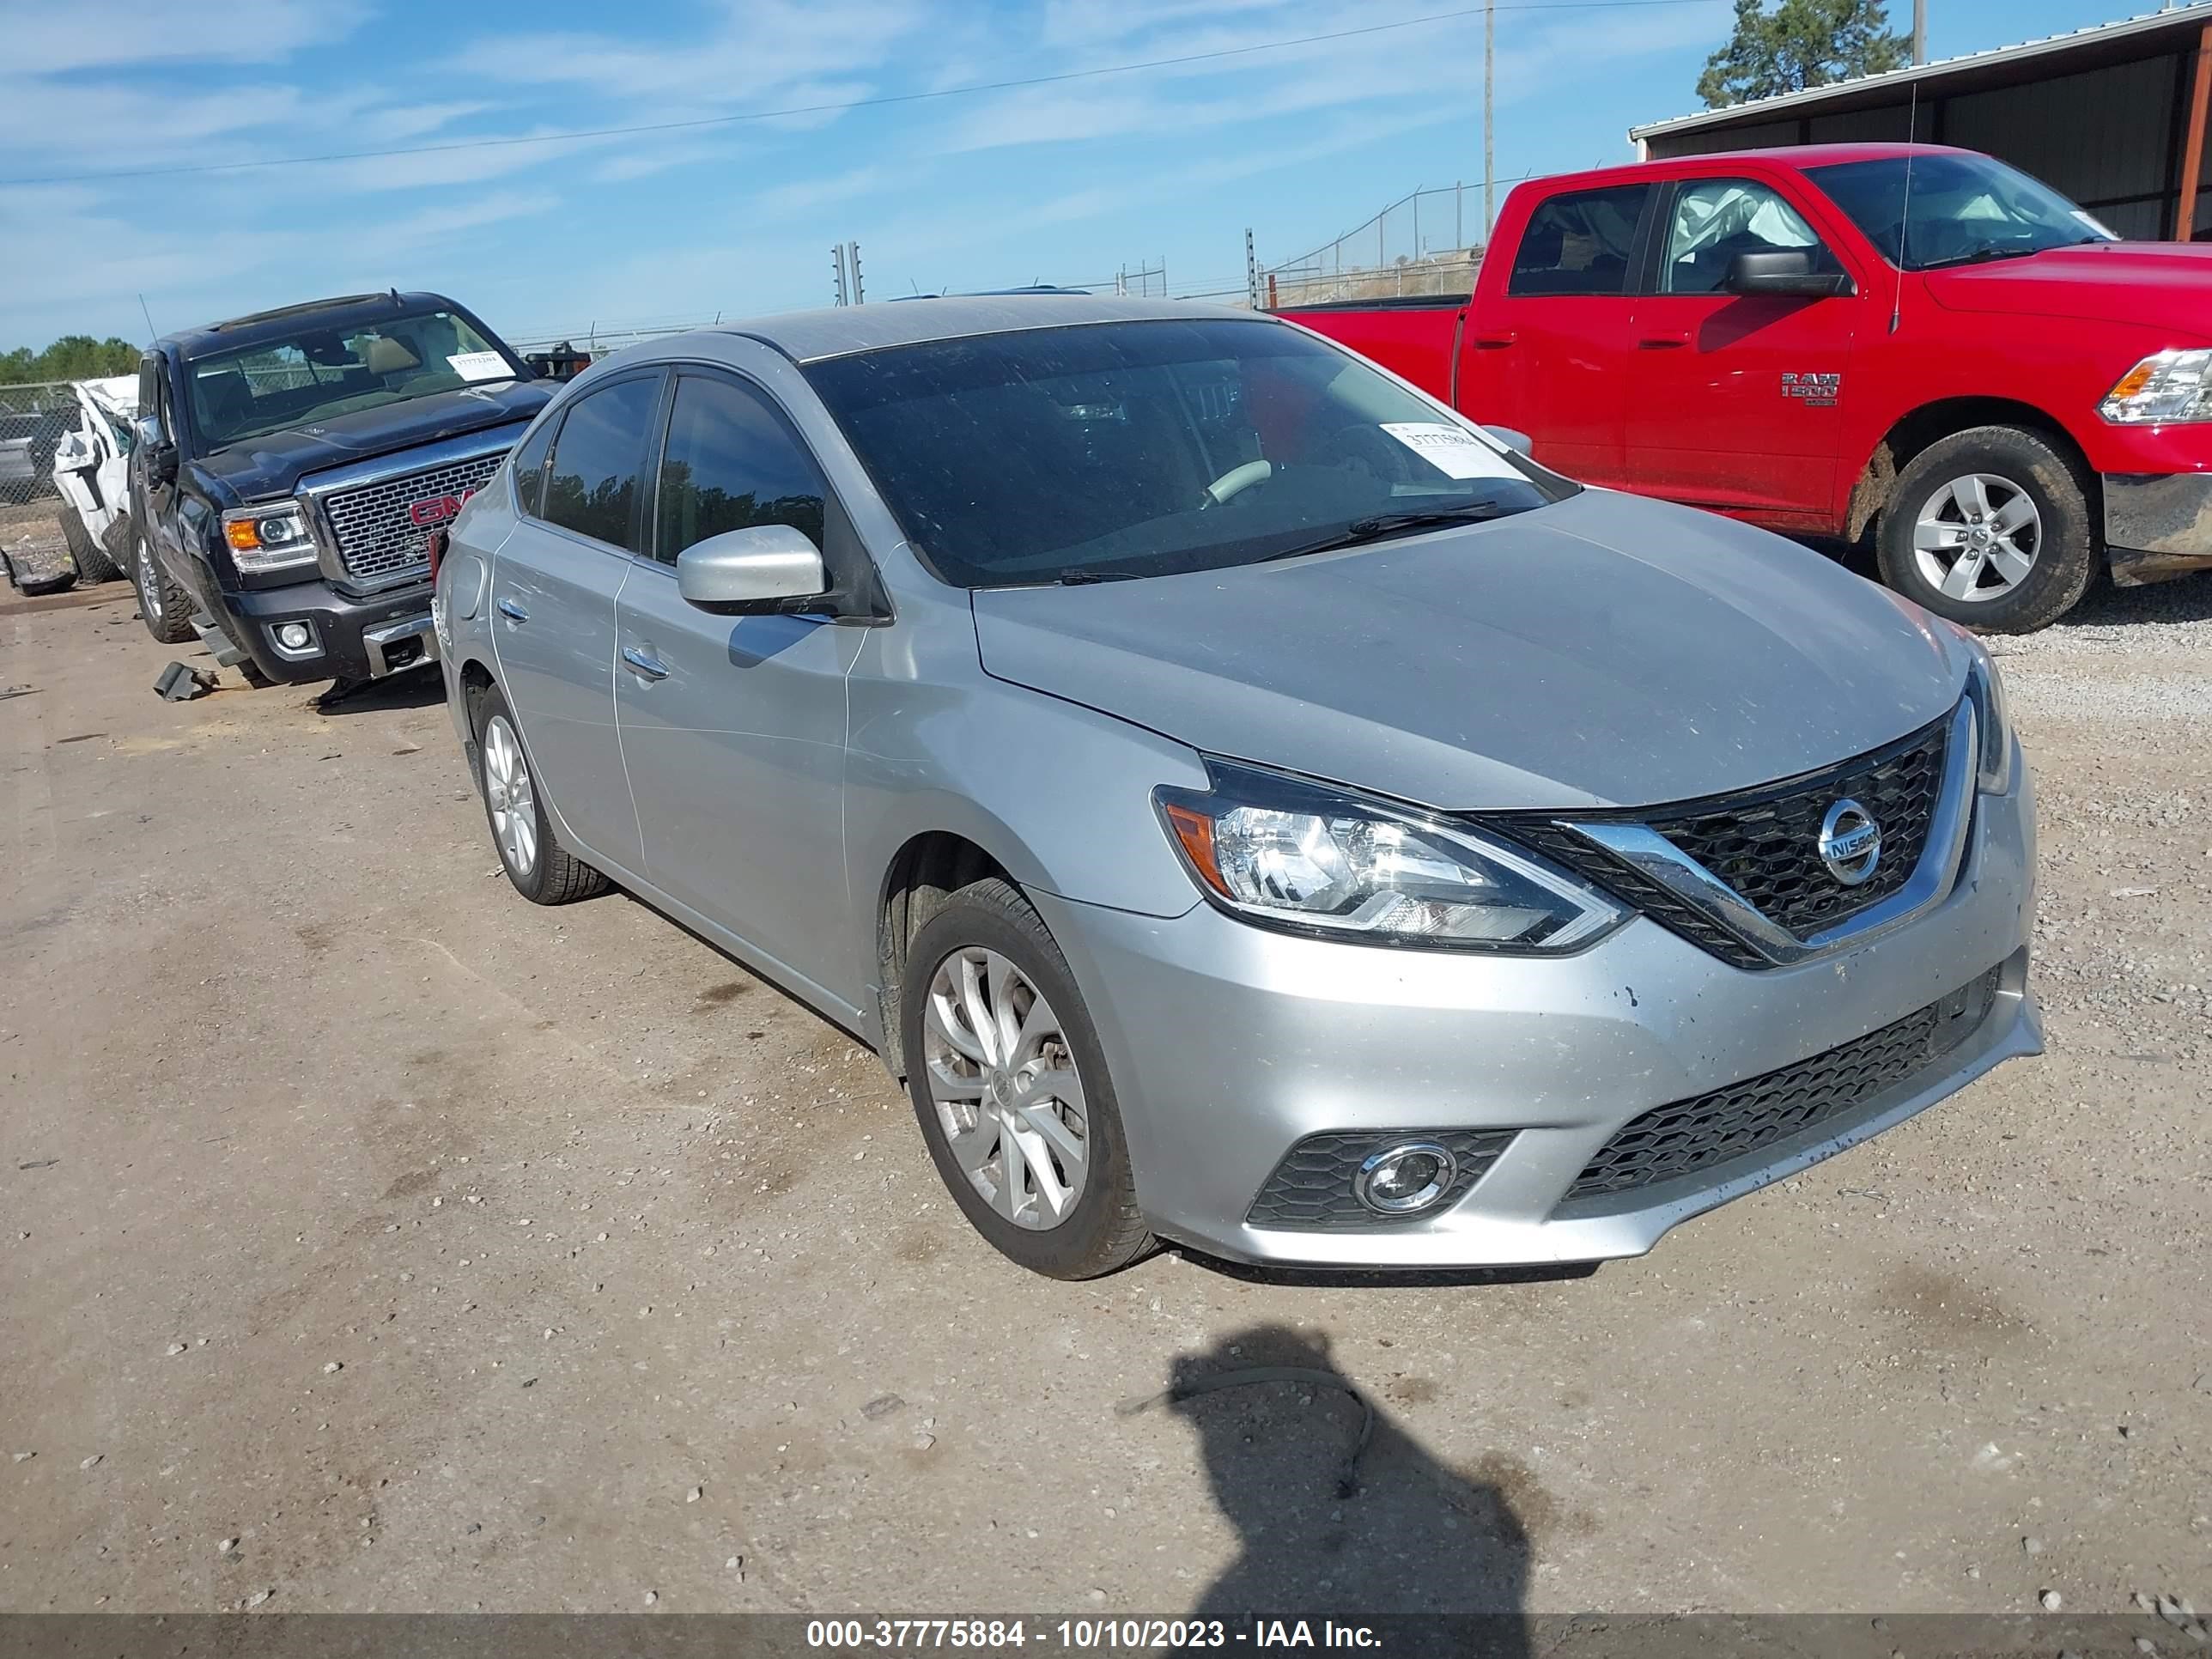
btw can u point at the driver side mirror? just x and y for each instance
(160, 454)
(1514, 439)
(766, 567)
(1783, 271)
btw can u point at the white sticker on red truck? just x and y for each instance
(1453, 451)
(480, 366)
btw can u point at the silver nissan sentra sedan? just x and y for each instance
(1246, 803)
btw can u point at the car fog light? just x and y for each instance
(293, 636)
(1407, 1179)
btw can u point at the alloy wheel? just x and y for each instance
(1977, 537)
(149, 582)
(510, 796)
(1005, 1084)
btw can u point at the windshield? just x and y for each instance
(1147, 448)
(1963, 209)
(316, 374)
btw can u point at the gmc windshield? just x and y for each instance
(317, 375)
(1151, 448)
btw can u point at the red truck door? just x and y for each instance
(1734, 401)
(1544, 352)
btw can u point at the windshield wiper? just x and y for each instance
(1982, 256)
(1086, 578)
(1362, 531)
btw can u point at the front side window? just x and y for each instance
(1944, 208)
(1583, 243)
(591, 480)
(1152, 448)
(320, 374)
(1714, 220)
(732, 462)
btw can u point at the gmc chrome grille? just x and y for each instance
(381, 531)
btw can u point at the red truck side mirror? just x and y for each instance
(1783, 271)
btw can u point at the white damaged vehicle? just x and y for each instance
(92, 475)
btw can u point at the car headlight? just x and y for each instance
(1299, 856)
(2165, 386)
(265, 538)
(1992, 724)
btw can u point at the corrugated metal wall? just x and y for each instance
(2108, 137)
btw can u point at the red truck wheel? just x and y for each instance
(1990, 528)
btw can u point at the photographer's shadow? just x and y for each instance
(1333, 1529)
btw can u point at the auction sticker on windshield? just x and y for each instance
(481, 365)
(1454, 452)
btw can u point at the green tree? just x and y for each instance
(1799, 44)
(72, 357)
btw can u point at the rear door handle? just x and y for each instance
(1494, 342)
(1662, 341)
(644, 663)
(512, 611)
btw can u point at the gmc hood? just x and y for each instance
(258, 469)
(2164, 284)
(1607, 651)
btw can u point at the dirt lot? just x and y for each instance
(375, 1240)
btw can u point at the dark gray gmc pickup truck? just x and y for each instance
(291, 466)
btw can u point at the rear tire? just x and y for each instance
(542, 870)
(1991, 528)
(1064, 1203)
(163, 604)
(93, 564)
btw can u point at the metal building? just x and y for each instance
(2113, 116)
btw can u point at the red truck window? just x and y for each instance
(1715, 219)
(1581, 243)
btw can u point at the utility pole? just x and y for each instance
(1919, 31)
(837, 261)
(1489, 80)
(853, 259)
(1251, 270)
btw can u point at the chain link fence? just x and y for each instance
(33, 419)
(1427, 242)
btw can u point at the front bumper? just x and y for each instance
(2157, 524)
(1228, 1045)
(354, 639)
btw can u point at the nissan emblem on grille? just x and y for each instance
(1850, 842)
(382, 529)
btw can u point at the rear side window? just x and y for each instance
(529, 465)
(732, 462)
(591, 483)
(1581, 243)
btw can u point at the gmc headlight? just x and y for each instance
(2164, 387)
(265, 538)
(1992, 725)
(1299, 856)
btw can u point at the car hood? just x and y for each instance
(2163, 284)
(1606, 651)
(256, 469)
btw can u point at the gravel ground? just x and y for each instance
(374, 1240)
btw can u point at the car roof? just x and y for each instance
(806, 336)
(258, 327)
(1798, 158)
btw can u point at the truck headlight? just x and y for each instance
(265, 538)
(1992, 723)
(2164, 387)
(1299, 856)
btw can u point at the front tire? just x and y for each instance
(542, 870)
(1991, 528)
(1010, 1084)
(163, 604)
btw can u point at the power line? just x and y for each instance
(580, 133)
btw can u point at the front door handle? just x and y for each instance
(1495, 340)
(1662, 341)
(512, 611)
(644, 663)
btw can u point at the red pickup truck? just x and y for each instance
(1825, 339)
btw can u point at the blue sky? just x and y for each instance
(1065, 182)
